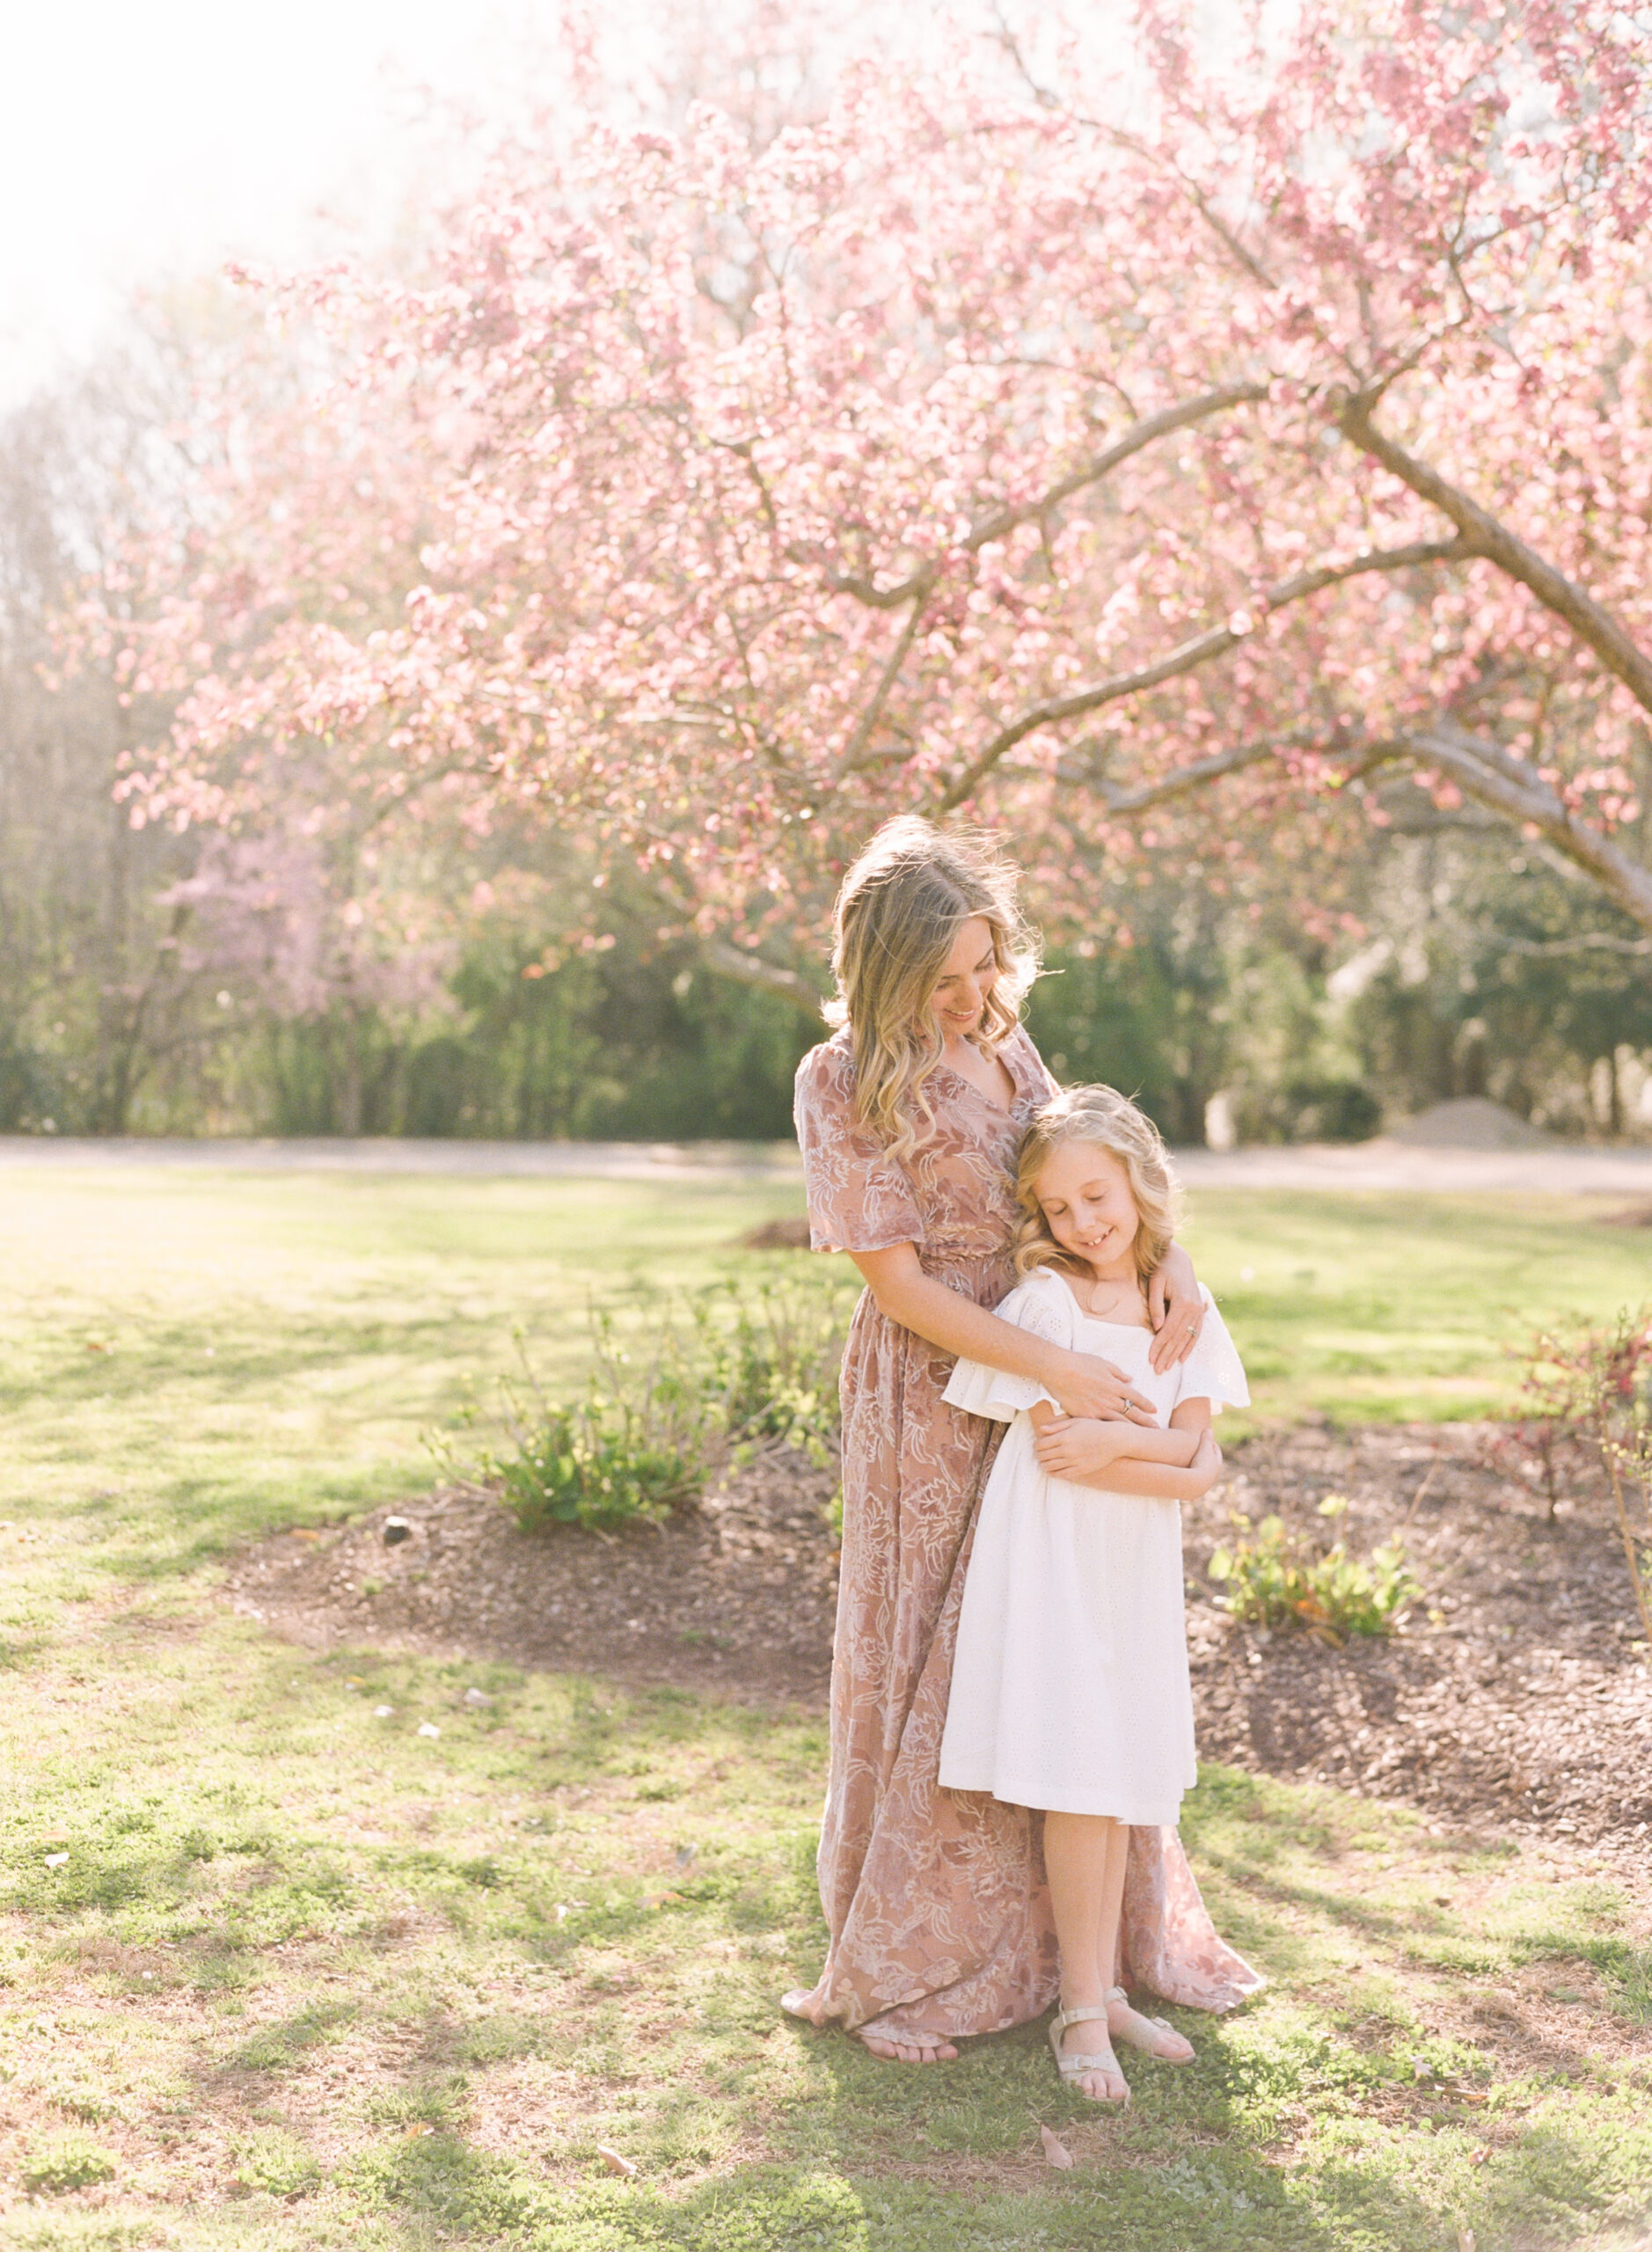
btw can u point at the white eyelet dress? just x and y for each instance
(1069, 1686)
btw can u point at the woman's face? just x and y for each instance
(958, 996)
(1084, 1195)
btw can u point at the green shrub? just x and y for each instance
(59, 2163)
(1277, 1581)
(592, 1465)
(768, 1359)
(271, 2160)
(735, 1370)
(1587, 1394)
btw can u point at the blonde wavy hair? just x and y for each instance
(1102, 1119)
(899, 910)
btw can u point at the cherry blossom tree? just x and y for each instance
(1195, 442)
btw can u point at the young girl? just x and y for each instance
(1069, 1686)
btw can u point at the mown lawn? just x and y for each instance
(279, 1970)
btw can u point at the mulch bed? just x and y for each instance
(739, 1595)
(1514, 1697)
(1518, 1696)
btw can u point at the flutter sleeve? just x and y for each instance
(858, 1199)
(1043, 1305)
(1213, 1370)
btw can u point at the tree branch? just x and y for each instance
(1486, 772)
(1191, 776)
(743, 968)
(1187, 657)
(1585, 942)
(917, 584)
(1139, 434)
(1484, 536)
(855, 747)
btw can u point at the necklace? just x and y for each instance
(1118, 1296)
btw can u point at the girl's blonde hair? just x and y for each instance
(898, 913)
(1102, 1119)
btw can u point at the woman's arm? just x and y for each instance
(1085, 1384)
(1175, 1309)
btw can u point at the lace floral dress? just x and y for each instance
(936, 1900)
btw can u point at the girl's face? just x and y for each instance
(1084, 1195)
(958, 996)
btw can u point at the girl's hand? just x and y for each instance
(1175, 1309)
(1092, 1390)
(1206, 1466)
(1073, 1447)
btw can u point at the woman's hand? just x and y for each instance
(1092, 1390)
(1175, 1309)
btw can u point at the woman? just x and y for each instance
(909, 1119)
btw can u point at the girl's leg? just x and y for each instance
(1150, 2035)
(1084, 1855)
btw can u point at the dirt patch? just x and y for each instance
(778, 1235)
(1516, 1692)
(738, 1594)
(1515, 1696)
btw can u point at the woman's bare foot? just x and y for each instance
(909, 2052)
(1150, 2035)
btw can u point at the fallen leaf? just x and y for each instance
(412, 2134)
(1055, 2152)
(616, 2162)
(1479, 2156)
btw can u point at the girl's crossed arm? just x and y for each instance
(1177, 1465)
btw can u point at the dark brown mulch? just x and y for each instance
(738, 1594)
(1514, 1696)
(1516, 1693)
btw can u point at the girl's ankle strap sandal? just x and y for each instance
(1072, 2068)
(1134, 2040)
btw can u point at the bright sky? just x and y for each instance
(145, 141)
(142, 140)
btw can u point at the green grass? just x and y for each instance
(308, 1978)
(1374, 1307)
(186, 1357)
(305, 1979)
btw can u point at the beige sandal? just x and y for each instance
(1072, 2068)
(1134, 2040)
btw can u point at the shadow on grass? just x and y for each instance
(279, 2046)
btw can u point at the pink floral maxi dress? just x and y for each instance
(936, 1900)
